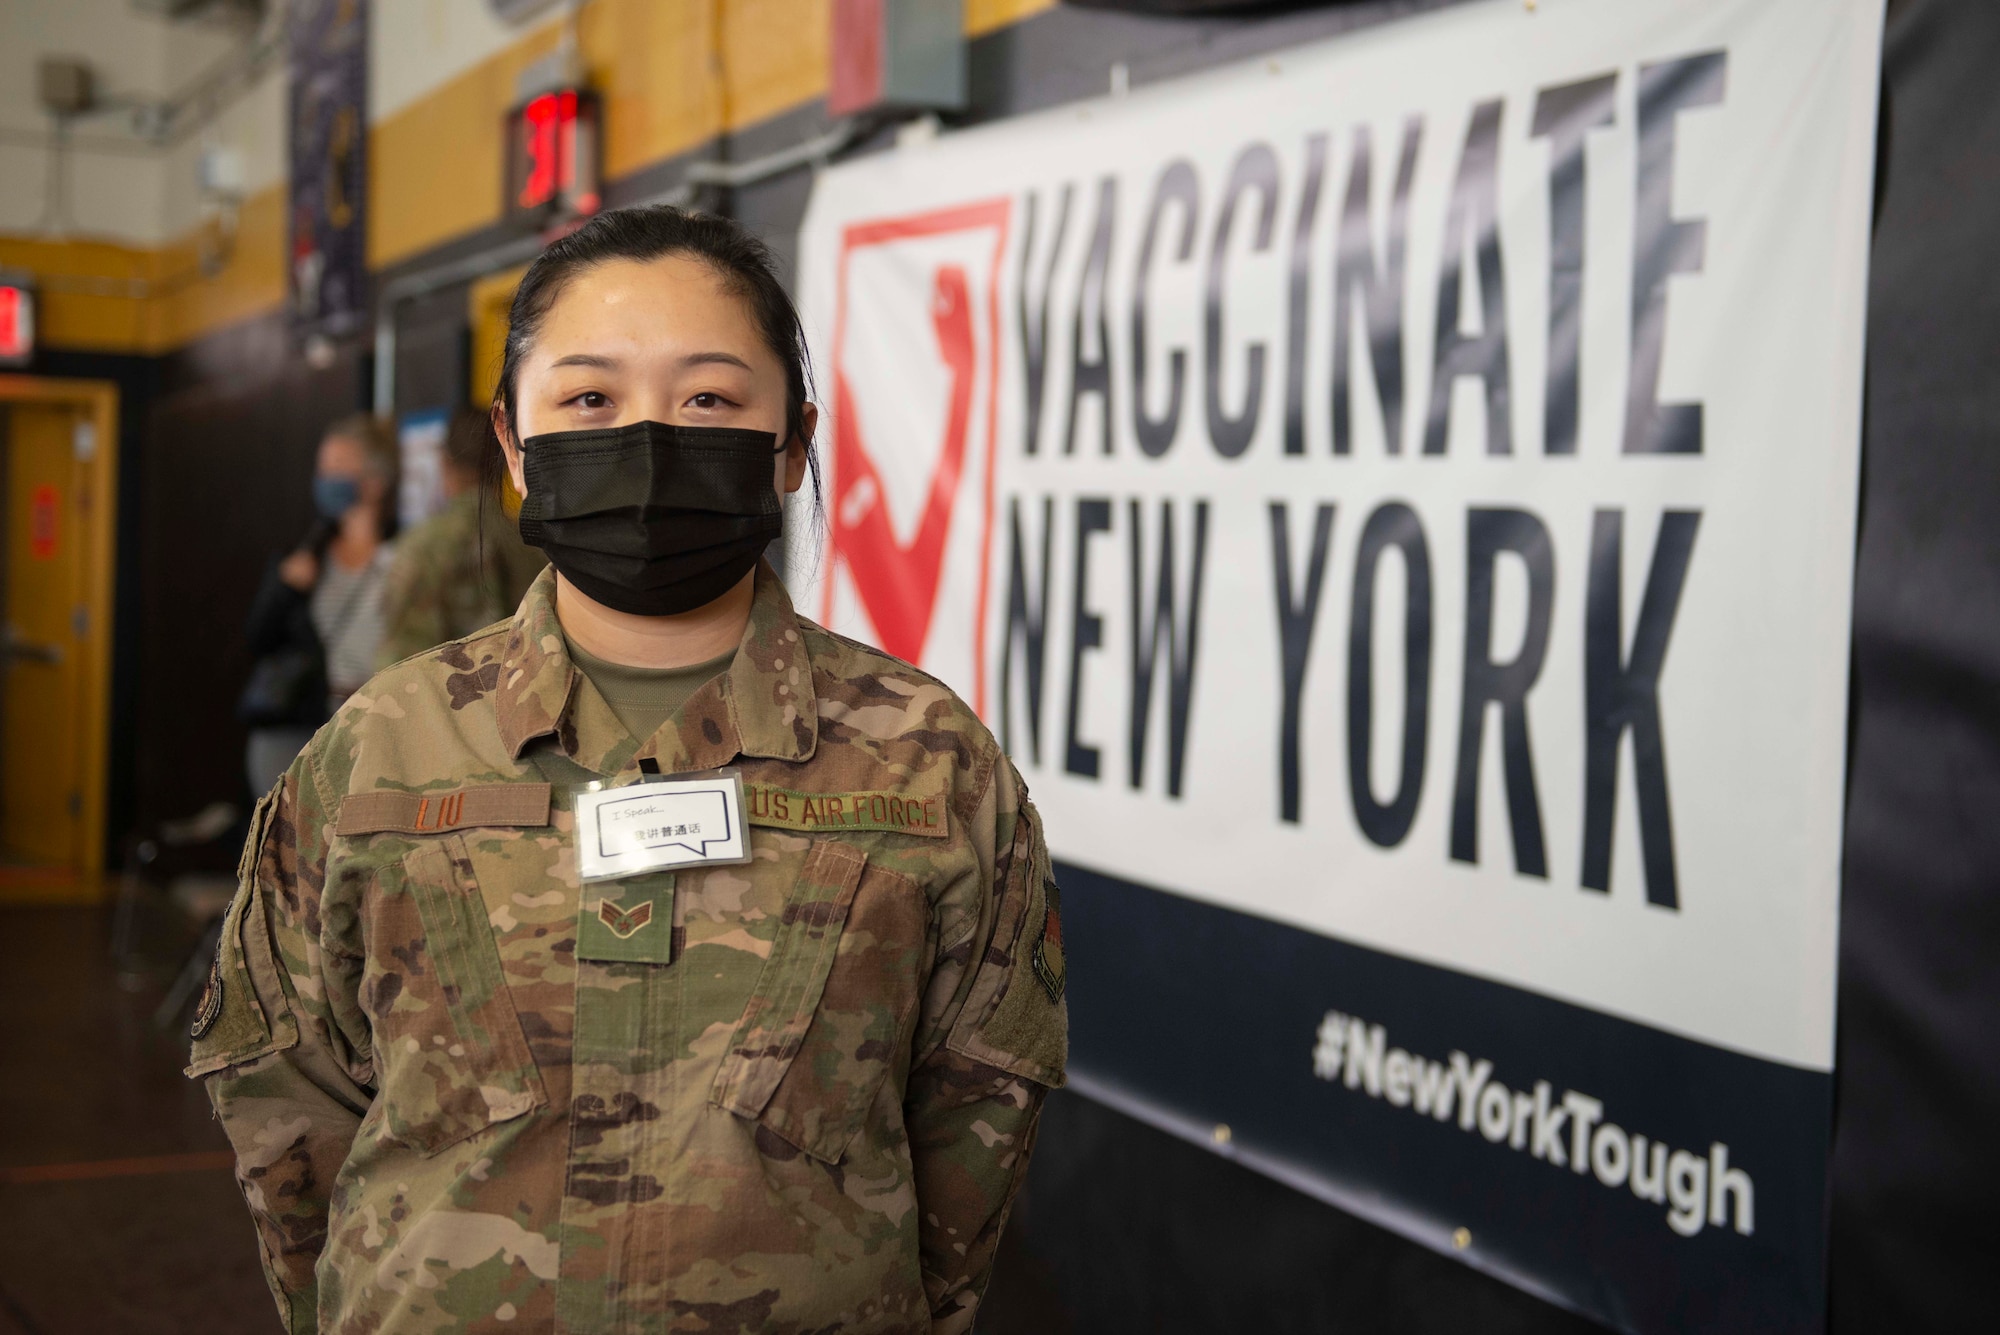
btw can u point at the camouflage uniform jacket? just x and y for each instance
(468, 1093)
(448, 579)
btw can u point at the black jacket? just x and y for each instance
(287, 686)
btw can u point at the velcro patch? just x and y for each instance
(863, 809)
(632, 924)
(434, 813)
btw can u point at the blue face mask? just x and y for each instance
(335, 496)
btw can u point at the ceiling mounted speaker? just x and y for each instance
(65, 86)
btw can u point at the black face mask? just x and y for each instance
(648, 518)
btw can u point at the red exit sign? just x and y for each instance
(17, 324)
(552, 156)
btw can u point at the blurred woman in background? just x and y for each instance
(317, 620)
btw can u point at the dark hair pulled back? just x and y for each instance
(744, 263)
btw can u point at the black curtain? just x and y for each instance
(1915, 1160)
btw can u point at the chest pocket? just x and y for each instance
(451, 1058)
(831, 1016)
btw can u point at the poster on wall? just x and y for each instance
(1395, 501)
(329, 166)
(420, 438)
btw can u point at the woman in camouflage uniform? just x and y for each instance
(471, 1090)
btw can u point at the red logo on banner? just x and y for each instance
(44, 512)
(898, 579)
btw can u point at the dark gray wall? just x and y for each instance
(1915, 1158)
(226, 487)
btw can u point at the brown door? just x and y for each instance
(55, 496)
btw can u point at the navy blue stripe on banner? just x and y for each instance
(1343, 1070)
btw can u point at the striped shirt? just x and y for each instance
(347, 613)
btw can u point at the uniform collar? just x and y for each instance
(763, 706)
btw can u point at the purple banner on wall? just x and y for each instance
(329, 166)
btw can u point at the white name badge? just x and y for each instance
(663, 824)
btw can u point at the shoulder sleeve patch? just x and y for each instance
(210, 1005)
(1050, 966)
(1017, 1018)
(436, 813)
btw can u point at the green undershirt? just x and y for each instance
(645, 698)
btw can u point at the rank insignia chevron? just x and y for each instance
(625, 923)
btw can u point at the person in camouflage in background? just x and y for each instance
(471, 1092)
(463, 568)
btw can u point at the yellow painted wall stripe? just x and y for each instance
(983, 16)
(177, 300)
(77, 319)
(434, 167)
(251, 282)
(672, 76)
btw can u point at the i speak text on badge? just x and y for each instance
(667, 823)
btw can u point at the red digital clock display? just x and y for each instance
(552, 157)
(17, 324)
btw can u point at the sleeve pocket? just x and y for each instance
(1017, 1017)
(230, 1026)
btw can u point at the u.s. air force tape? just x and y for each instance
(453, 809)
(898, 813)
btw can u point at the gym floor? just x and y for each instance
(118, 1212)
(119, 1215)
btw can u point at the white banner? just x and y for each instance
(1395, 501)
(1403, 490)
